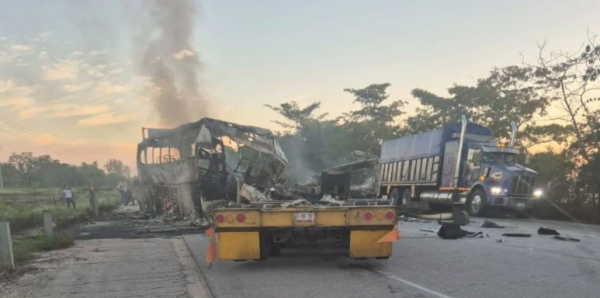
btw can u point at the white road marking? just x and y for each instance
(412, 284)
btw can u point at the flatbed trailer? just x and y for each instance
(366, 230)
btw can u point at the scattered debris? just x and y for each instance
(453, 231)
(411, 218)
(296, 203)
(358, 177)
(500, 240)
(428, 230)
(522, 235)
(547, 231)
(566, 238)
(329, 199)
(491, 224)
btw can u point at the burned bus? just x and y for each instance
(192, 168)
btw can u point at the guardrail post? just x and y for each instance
(6, 249)
(48, 226)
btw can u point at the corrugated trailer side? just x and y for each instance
(418, 159)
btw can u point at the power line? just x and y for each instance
(25, 139)
(28, 131)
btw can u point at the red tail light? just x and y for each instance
(389, 215)
(240, 218)
(220, 218)
(368, 215)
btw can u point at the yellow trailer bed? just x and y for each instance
(256, 233)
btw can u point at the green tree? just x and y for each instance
(507, 94)
(375, 121)
(571, 81)
(117, 168)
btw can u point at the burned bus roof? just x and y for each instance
(213, 124)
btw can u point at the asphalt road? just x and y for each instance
(424, 265)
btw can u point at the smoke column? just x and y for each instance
(170, 61)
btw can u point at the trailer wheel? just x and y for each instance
(395, 197)
(405, 197)
(265, 246)
(476, 202)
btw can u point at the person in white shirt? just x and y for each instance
(69, 198)
(122, 187)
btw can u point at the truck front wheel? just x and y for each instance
(476, 202)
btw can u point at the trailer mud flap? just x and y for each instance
(239, 245)
(364, 244)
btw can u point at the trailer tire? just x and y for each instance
(405, 197)
(395, 197)
(265, 246)
(476, 202)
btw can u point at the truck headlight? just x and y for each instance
(496, 190)
(538, 193)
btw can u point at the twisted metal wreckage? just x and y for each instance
(192, 169)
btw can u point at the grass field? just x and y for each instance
(23, 207)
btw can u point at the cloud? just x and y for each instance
(70, 88)
(66, 69)
(106, 119)
(97, 53)
(16, 101)
(15, 96)
(183, 53)
(63, 110)
(106, 88)
(6, 85)
(43, 55)
(20, 48)
(69, 110)
(30, 113)
(3, 38)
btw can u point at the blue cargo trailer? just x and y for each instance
(427, 167)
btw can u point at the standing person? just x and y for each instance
(68, 194)
(122, 187)
(130, 196)
(92, 192)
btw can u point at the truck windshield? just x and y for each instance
(499, 157)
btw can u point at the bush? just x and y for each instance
(23, 249)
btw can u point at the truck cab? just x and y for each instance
(496, 179)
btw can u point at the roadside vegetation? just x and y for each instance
(25, 217)
(24, 209)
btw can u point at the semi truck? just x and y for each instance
(459, 163)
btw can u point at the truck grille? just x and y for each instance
(522, 185)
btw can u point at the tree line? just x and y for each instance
(25, 170)
(554, 101)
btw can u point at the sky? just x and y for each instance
(71, 84)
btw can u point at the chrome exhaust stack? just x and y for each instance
(463, 131)
(459, 213)
(513, 134)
